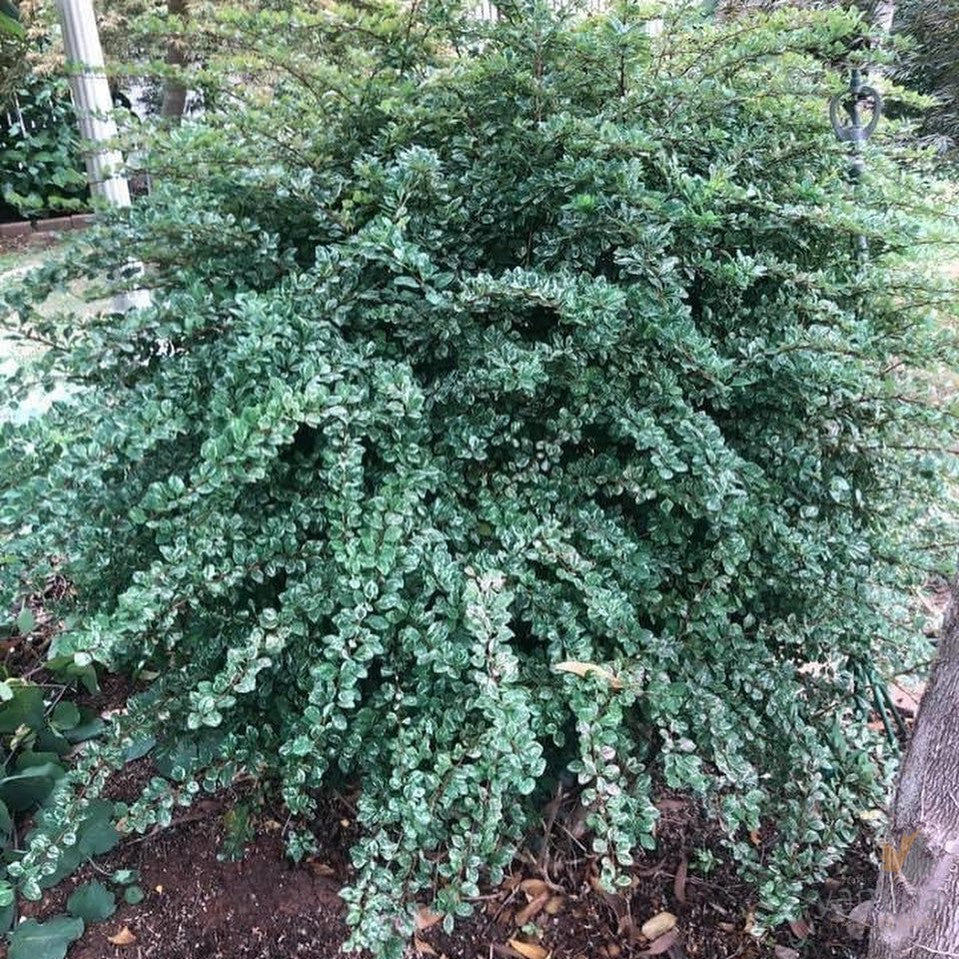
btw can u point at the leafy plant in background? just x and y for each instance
(513, 402)
(13, 44)
(932, 65)
(39, 146)
(39, 727)
(40, 150)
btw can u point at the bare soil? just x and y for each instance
(201, 905)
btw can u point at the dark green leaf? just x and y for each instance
(92, 902)
(48, 940)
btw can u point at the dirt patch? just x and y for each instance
(706, 917)
(201, 905)
(197, 905)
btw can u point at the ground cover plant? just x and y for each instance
(515, 407)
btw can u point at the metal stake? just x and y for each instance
(853, 132)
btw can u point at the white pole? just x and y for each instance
(91, 96)
(94, 107)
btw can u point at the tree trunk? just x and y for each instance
(916, 912)
(882, 13)
(174, 92)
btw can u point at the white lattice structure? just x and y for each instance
(487, 10)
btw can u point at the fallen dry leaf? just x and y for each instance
(321, 868)
(422, 947)
(662, 944)
(784, 952)
(530, 950)
(800, 928)
(532, 908)
(659, 925)
(534, 887)
(905, 699)
(584, 669)
(426, 918)
(679, 881)
(555, 905)
(123, 938)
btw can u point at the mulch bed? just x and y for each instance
(201, 905)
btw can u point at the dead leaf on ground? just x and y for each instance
(663, 944)
(585, 669)
(530, 950)
(658, 925)
(532, 908)
(123, 938)
(555, 905)
(321, 868)
(784, 952)
(422, 947)
(800, 928)
(534, 887)
(426, 918)
(679, 881)
(906, 699)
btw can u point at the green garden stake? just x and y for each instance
(846, 114)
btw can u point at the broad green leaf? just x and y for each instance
(26, 620)
(24, 790)
(48, 940)
(65, 715)
(133, 895)
(25, 709)
(92, 902)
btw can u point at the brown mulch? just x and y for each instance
(200, 905)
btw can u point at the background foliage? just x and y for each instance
(40, 154)
(932, 65)
(513, 404)
(40, 159)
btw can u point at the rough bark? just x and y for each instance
(174, 92)
(916, 912)
(882, 13)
